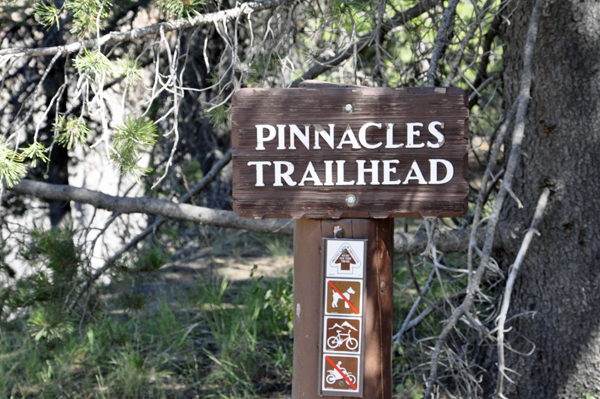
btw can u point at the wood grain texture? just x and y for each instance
(324, 106)
(378, 306)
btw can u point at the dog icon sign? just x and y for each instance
(343, 297)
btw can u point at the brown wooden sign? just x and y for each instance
(350, 152)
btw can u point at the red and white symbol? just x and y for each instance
(345, 258)
(343, 297)
(340, 373)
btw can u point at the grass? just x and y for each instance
(213, 339)
(198, 337)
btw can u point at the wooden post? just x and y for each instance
(329, 156)
(308, 242)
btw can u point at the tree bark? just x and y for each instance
(556, 293)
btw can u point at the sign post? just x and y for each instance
(344, 161)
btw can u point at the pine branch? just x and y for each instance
(447, 242)
(152, 206)
(116, 37)
(398, 20)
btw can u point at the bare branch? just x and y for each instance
(447, 242)
(537, 217)
(517, 139)
(482, 75)
(206, 180)
(463, 45)
(441, 40)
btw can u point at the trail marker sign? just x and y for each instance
(342, 375)
(342, 363)
(342, 335)
(345, 258)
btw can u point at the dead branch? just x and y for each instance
(206, 180)
(441, 40)
(464, 43)
(514, 270)
(447, 242)
(517, 139)
(482, 74)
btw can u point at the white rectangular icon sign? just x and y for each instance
(345, 258)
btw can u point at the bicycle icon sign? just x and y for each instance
(342, 335)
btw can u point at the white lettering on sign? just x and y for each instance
(362, 135)
(438, 135)
(381, 173)
(411, 133)
(389, 135)
(368, 172)
(260, 135)
(294, 132)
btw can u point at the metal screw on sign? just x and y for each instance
(348, 108)
(338, 232)
(351, 200)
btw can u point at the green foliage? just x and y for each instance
(253, 330)
(49, 323)
(409, 390)
(276, 245)
(70, 132)
(129, 373)
(130, 138)
(48, 14)
(129, 70)
(280, 299)
(86, 14)
(219, 115)
(11, 166)
(94, 64)
(55, 261)
(150, 258)
(193, 170)
(180, 8)
(35, 151)
(216, 340)
(133, 302)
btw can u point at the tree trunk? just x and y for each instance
(558, 283)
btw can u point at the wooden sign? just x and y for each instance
(344, 265)
(349, 152)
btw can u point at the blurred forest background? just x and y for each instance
(124, 273)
